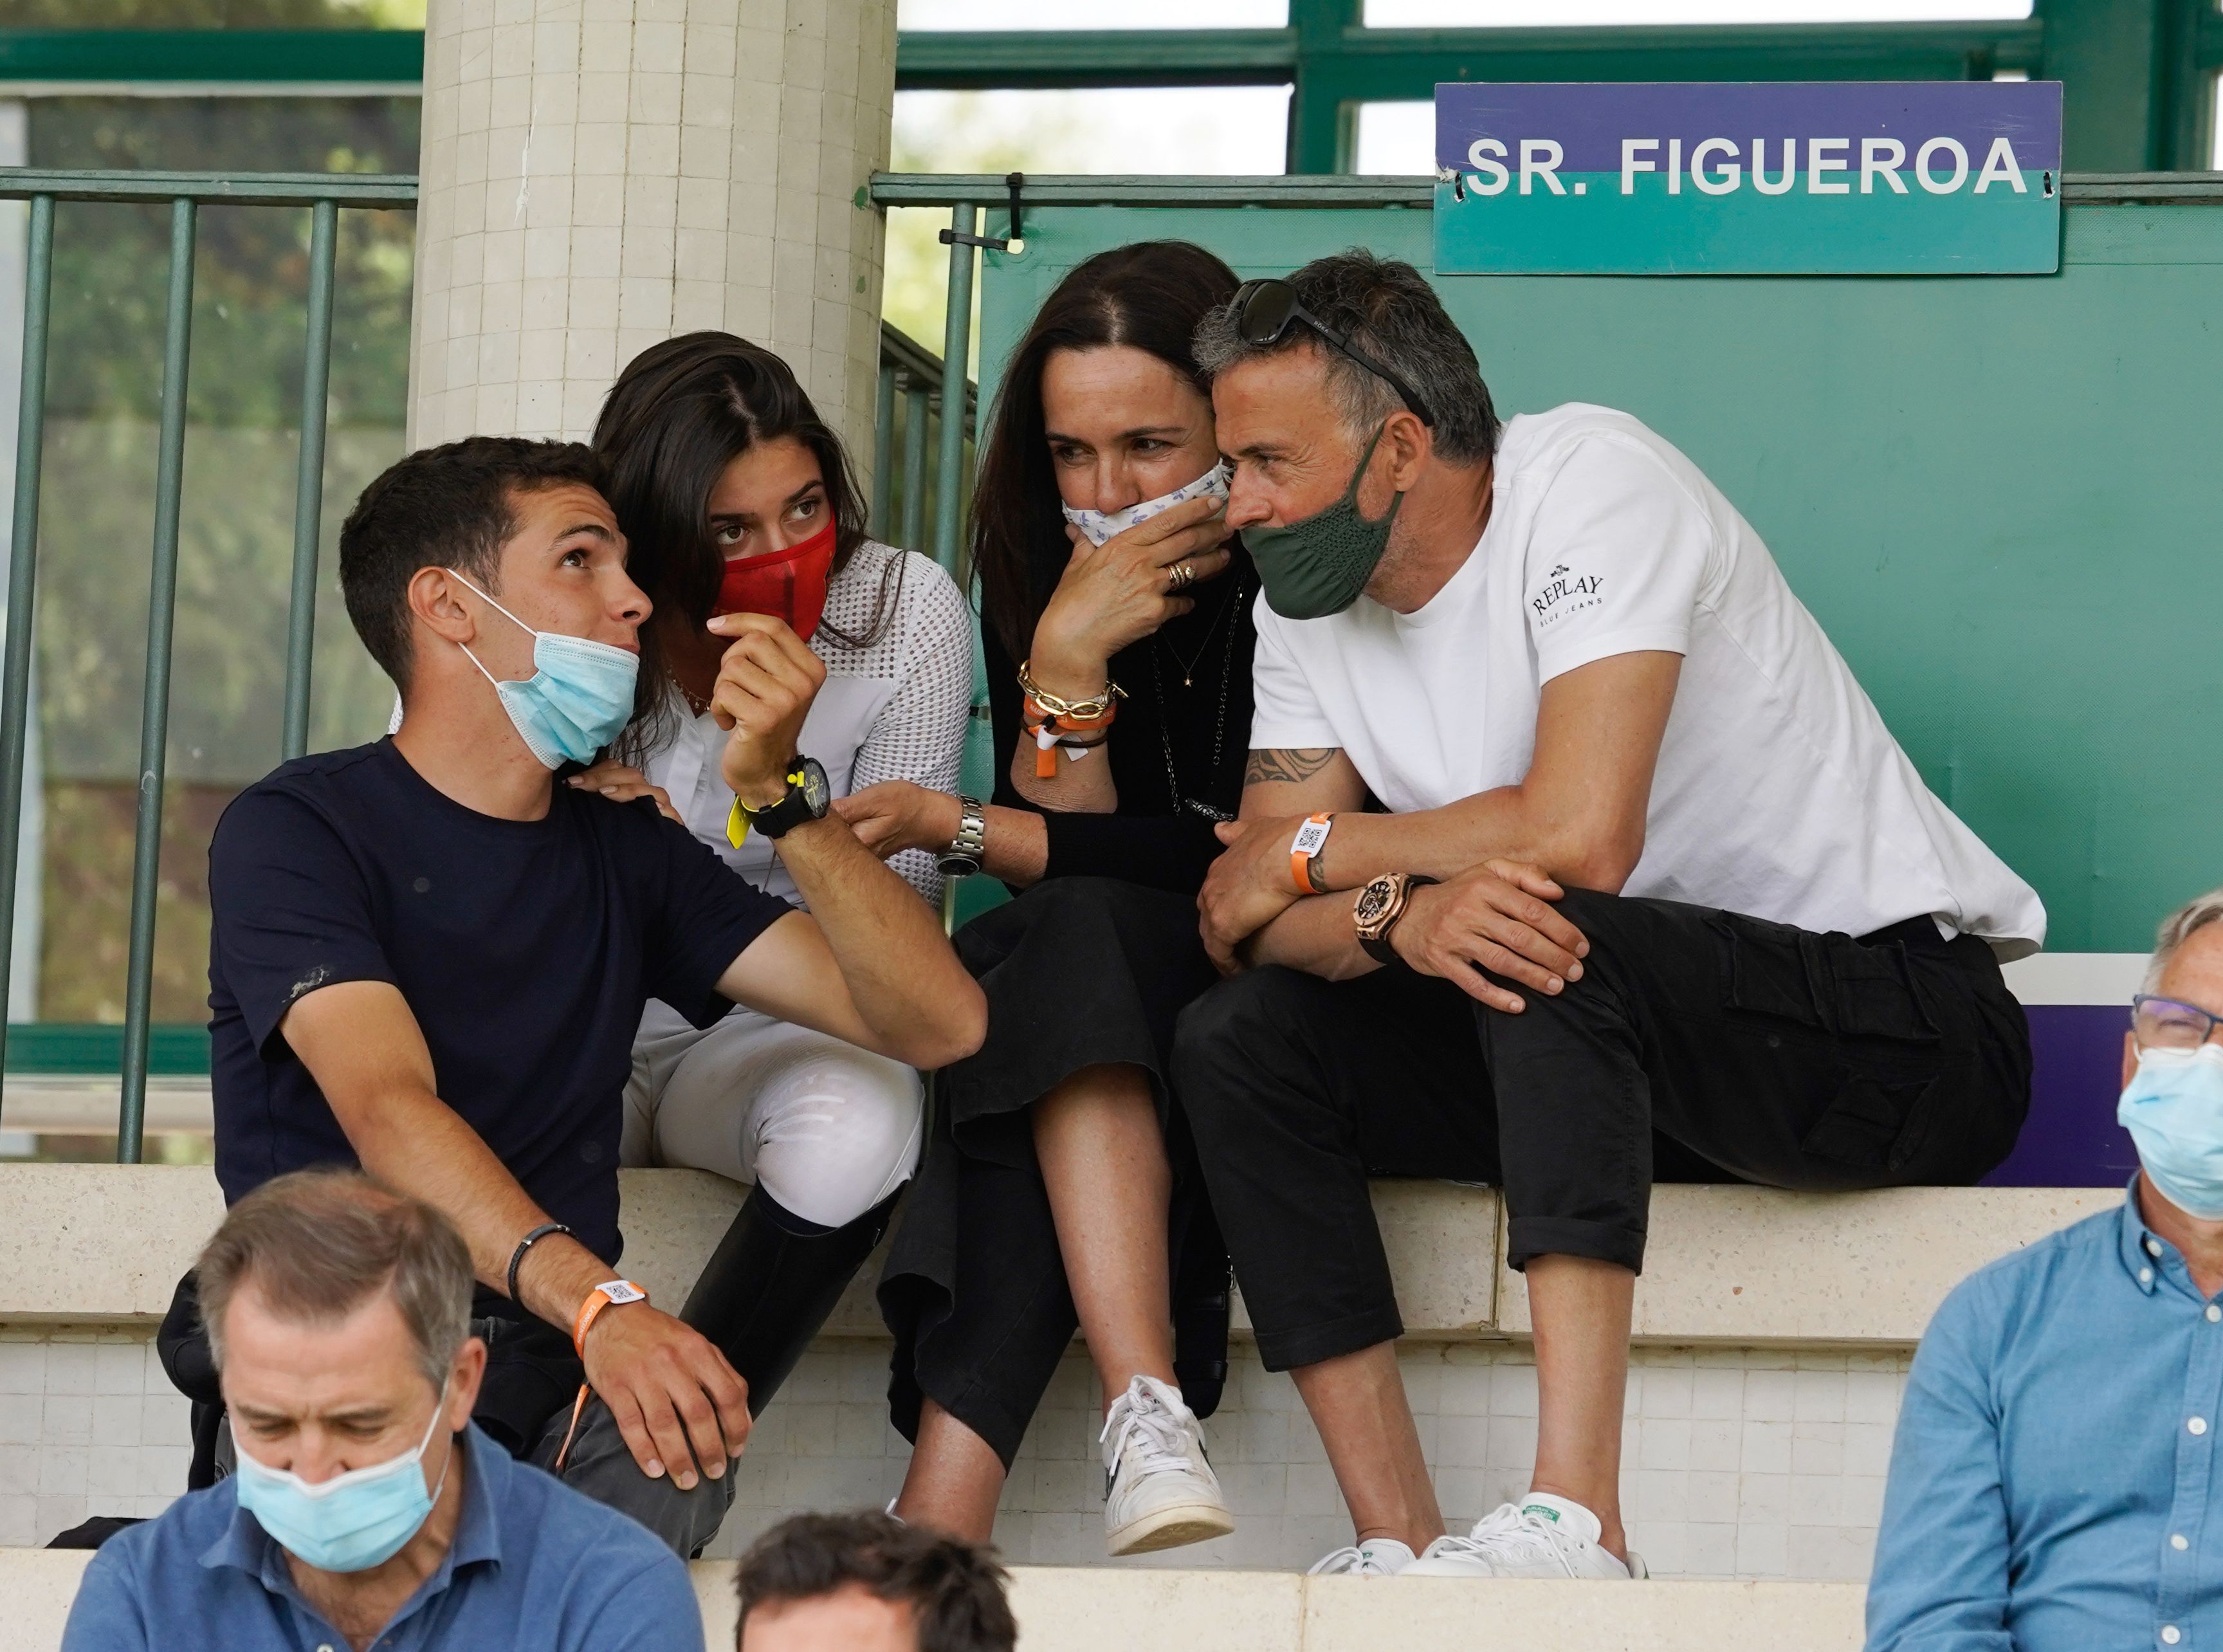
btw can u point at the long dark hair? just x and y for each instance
(680, 414)
(1148, 296)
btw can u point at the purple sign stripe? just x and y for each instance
(2071, 1138)
(1589, 119)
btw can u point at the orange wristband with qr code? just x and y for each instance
(1311, 839)
(609, 1294)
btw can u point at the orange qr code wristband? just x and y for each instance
(1311, 838)
(609, 1293)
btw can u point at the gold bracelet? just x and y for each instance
(1087, 711)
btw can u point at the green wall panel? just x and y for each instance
(2001, 496)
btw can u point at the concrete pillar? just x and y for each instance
(599, 174)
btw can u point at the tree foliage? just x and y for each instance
(211, 13)
(251, 271)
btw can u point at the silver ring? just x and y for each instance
(1182, 574)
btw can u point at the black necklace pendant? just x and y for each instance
(1181, 804)
(1228, 604)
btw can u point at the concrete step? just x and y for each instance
(1083, 1610)
(104, 1244)
(1757, 1455)
(86, 1104)
(42, 1104)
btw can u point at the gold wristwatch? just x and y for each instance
(1378, 907)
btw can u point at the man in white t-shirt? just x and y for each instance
(1644, 888)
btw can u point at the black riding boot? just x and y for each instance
(772, 1281)
(1202, 1285)
(1203, 1281)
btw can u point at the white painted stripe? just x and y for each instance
(2076, 977)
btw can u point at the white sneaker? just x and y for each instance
(1159, 1489)
(1541, 1536)
(1377, 1557)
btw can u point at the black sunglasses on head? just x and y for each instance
(1263, 311)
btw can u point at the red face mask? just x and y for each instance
(788, 584)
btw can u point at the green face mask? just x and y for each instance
(1318, 566)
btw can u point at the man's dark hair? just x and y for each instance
(448, 507)
(953, 1588)
(1387, 308)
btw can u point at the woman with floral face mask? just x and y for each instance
(1118, 640)
(735, 497)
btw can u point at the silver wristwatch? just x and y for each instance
(962, 858)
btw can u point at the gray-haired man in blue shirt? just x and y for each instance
(366, 1508)
(2056, 1467)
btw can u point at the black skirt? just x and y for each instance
(1078, 972)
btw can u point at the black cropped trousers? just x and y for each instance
(1080, 972)
(1700, 1045)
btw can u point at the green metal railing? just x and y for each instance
(22, 575)
(908, 425)
(184, 194)
(909, 375)
(956, 346)
(2139, 73)
(1274, 191)
(920, 453)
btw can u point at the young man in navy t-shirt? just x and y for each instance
(429, 958)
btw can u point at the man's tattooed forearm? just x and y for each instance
(1282, 764)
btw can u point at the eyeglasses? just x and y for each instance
(1263, 311)
(2165, 1024)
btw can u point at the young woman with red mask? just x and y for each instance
(734, 496)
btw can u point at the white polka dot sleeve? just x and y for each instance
(926, 649)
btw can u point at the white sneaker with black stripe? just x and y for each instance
(1540, 1536)
(1160, 1491)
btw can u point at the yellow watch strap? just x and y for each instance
(737, 823)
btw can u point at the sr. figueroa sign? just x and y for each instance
(1715, 178)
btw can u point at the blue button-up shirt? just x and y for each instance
(2055, 1466)
(534, 1567)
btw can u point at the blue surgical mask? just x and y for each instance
(2174, 1111)
(351, 1522)
(1100, 525)
(578, 698)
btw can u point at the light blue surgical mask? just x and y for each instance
(578, 698)
(351, 1522)
(2174, 1111)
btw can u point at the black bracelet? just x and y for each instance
(517, 1257)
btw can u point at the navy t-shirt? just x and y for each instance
(525, 949)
